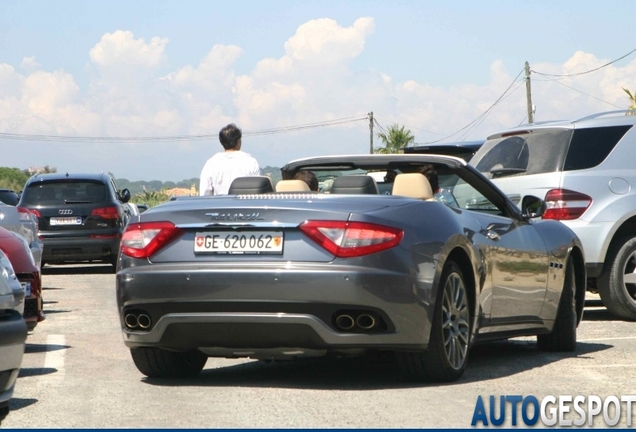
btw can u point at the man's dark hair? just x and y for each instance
(309, 178)
(230, 136)
(429, 172)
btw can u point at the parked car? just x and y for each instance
(272, 275)
(584, 170)
(464, 149)
(27, 272)
(8, 273)
(14, 332)
(22, 221)
(9, 197)
(81, 216)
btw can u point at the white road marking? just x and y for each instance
(54, 359)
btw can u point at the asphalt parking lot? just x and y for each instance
(76, 372)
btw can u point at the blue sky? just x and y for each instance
(168, 68)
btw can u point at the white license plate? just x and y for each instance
(75, 220)
(27, 288)
(239, 242)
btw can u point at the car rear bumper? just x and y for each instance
(229, 311)
(69, 249)
(13, 333)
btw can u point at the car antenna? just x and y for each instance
(67, 174)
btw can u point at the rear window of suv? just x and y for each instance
(546, 151)
(524, 153)
(65, 191)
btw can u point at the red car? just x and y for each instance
(17, 249)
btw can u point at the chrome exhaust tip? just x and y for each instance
(144, 321)
(131, 321)
(365, 321)
(345, 322)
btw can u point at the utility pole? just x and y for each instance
(529, 95)
(371, 132)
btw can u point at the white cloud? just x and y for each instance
(122, 49)
(29, 64)
(324, 41)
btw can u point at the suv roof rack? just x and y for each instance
(602, 114)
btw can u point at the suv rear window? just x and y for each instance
(590, 146)
(527, 153)
(65, 192)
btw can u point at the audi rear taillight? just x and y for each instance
(106, 212)
(563, 204)
(141, 240)
(352, 239)
(25, 213)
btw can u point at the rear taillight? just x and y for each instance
(563, 204)
(26, 214)
(106, 212)
(141, 240)
(352, 239)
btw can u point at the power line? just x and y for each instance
(96, 139)
(586, 94)
(586, 72)
(482, 115)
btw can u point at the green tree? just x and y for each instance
(152, 198)
(632, 102)
(394, 139)
(12, 178)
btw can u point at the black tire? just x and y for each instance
(446, 357)
(158, 363)
(618, 296)
(563, 336)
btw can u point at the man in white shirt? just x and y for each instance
(222, 168)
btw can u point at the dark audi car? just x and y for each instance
(280, 275)
(81, 216)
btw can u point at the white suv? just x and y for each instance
(585, 171)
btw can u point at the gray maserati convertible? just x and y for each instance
(425, 269)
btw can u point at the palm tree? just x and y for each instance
(395, 139)
(632, 100)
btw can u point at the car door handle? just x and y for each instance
(492, 235)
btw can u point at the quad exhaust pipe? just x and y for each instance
(139, 320)
(353, 321)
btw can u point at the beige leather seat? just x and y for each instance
(413, 185)
(292, 186)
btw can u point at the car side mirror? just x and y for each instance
(124, 196)
(532, 206)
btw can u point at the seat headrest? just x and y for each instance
(361, 184)
(412, 185)
(292, 186)
(251, 185)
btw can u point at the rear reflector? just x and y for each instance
(352, 239)
(563, 204)
(106, 212)
(104, 236)
(141, 240)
